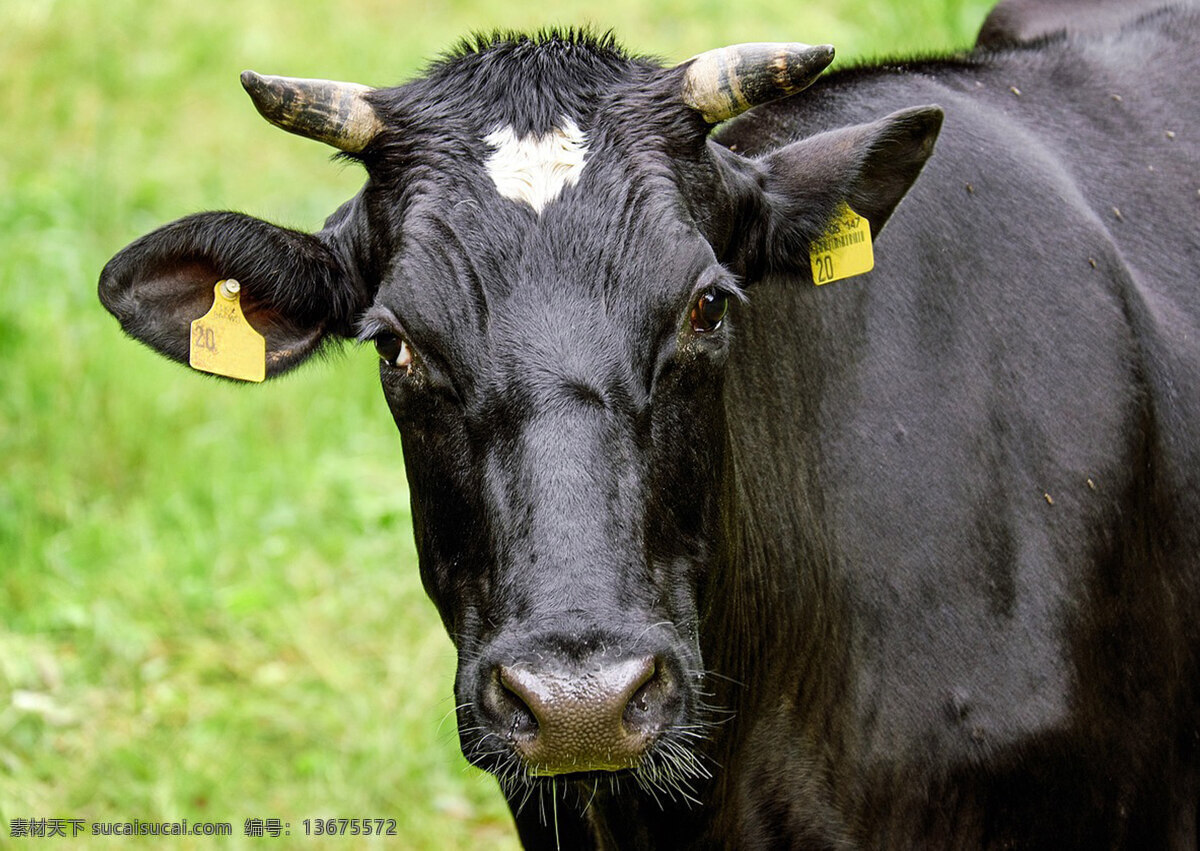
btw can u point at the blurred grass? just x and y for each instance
(210, 602)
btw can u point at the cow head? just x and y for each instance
(550, 256)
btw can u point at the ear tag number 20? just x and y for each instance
(844, 250)
(223, 342)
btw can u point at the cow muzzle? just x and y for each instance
(562, 715)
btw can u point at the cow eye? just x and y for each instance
(394, 350)
(709, 311)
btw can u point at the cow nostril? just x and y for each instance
(649, 706)
(640, 702)
(504, 701)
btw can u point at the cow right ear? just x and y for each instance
(293, 288)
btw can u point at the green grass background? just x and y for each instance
(209, 602)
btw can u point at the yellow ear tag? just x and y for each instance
(223, 341)
(844, 250)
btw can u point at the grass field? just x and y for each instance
(210, 602)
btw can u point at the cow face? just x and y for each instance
(549, 256)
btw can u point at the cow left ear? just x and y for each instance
(870, 167)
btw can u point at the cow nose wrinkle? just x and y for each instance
(602, 717)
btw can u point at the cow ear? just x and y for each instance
(870, 167)
(293, 289)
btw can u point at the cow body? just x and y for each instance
(906, 560)
(995, 470)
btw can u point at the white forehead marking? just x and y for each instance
(534, 169)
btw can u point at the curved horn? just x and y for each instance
(725, 82)
(334, 113)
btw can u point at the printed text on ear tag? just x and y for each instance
(844, 250)
(223, 342)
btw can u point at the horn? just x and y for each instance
(725, 82)
(334, 113)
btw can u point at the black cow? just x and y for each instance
(908, 560)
